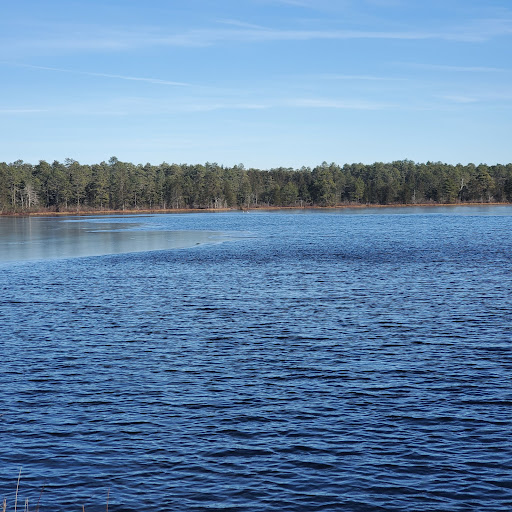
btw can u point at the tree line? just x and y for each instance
(116, 185)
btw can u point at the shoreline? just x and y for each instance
(256, 208)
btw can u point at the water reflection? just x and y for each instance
(33, 238)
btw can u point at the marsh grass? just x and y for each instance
(26, 507)
(26, 504)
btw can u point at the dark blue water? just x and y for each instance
(351, 361)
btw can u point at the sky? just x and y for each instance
(265, 83)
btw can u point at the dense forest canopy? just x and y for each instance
(116, 185)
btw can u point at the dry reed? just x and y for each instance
(26, 507)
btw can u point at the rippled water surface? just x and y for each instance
(355, 360)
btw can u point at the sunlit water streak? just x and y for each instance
(355, 361)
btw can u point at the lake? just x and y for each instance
(292, 360)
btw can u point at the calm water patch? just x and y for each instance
(324, 360)
(35, 238)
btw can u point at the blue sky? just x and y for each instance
(265, 83)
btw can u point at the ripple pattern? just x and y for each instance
(326, 362)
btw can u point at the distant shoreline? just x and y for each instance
(258, 208)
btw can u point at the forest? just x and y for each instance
(115, 185)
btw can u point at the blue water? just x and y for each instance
(355, 360)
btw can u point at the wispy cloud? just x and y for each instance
(488, 97)
(316, 5)
(210, 107)
(371, 78)
(337, 104)
(460, 99)
(386, 3)
(209, 37)
(294, 3)
(238, 23)
(472, 31)
(154, 107)
(108, 75)
(72, 38)
(233, 31)
(297, 3)
(22, 110)
(458, 69)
